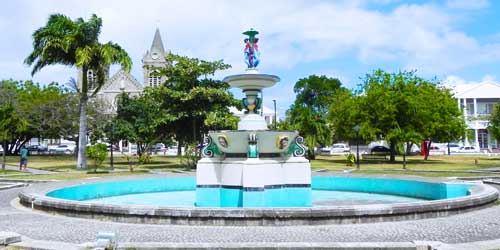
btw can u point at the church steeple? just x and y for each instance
(157, 44)
(155, 57)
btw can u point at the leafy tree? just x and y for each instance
(309, 112)
(494, 122)
(396, 107)
(10, 124)
(197, 102)
(75, 43)
(48, 112)
(139, 120)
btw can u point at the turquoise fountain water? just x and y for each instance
(331, 190)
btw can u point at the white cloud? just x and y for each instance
(467, 4)
(414, 36)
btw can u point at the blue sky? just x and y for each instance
(457, 40)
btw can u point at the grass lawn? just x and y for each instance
(436, 166)
(8, 172)
(67, 163)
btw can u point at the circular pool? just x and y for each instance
(336, 199)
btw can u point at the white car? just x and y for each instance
(62, 149)
(468, 149)
(338, 148)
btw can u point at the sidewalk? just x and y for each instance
(30, 170)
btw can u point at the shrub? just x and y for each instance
(350, 159)
(98, 153)
(191, 157)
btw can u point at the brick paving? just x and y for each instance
(473, 226)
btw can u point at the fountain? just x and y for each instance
(256, 176)
(253, 166)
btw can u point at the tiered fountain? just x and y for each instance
(253, 166)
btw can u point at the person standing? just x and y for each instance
(24, 159)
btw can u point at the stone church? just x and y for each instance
(122, 81)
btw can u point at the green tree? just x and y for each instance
(10, 124)
(309, 112)
(494, 123)
(139, 120)
(198, 102)
(397, 108)
(75, 43)
(48, 112)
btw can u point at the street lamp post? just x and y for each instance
(356, 129)
(275, 121)
(111, 147)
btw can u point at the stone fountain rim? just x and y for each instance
(35, 196)
(251, 76)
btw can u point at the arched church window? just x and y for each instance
(91, 79)
(154, 79)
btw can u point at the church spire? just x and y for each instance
(157, 44)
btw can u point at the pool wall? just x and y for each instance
(35, 197)
(274, 196)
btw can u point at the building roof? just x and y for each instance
(485, 89)
(122, 81)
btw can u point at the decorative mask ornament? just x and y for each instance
(282, 142)
(222, 139)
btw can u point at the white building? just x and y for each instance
(476, 102)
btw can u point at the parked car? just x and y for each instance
(437, 150)
(380, 150)
(468, 149)
(62, 149)
(338, 148)
(159, 148)
(454, 147)
(37, 148)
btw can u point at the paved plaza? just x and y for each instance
(478, 225)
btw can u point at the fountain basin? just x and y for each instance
(439, 198)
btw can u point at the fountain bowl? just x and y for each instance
(252, 81)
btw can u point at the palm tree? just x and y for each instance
(75, 43)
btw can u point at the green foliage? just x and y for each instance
(196, 102)
(494, 124)
(98, 153)
(350, 159)
(139, 120)
(309, 112)
(190, 157)
(47, 112)
(76, 43)
(144, 158)
(399, 108)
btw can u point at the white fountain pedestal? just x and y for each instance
(252, 122)
(253, 182)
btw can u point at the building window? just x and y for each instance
(154, 80)
(485, 108)
(470, 108)
(91, 79)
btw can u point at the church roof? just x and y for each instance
(122, 81)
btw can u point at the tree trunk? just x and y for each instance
(428, 150)
(179, 149)
(82, 132)
(4, 159)
(393, 151)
